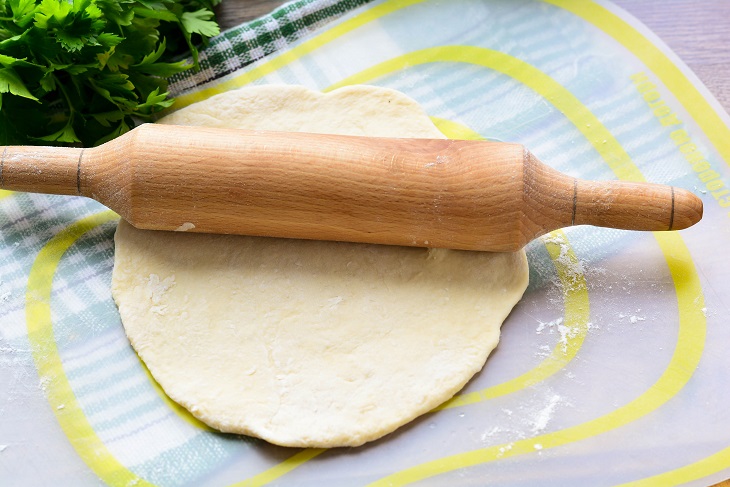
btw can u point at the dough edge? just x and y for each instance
(424, 128)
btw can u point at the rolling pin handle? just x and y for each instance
(634, 206)
(687, 209)
(37, 169)
(556, 200)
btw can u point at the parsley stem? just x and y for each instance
(71, 109)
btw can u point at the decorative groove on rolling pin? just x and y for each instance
(575, 201)
(2, 164)
(78, 173)
(671, 215)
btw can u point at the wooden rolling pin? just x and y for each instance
(471, 195)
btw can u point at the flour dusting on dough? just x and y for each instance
(157, 288)
(156, 291)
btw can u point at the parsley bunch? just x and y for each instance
(82, 71)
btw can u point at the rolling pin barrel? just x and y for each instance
(470, 195)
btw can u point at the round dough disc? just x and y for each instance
(309, 343)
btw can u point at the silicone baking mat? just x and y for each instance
(612, 370)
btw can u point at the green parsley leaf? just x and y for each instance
(200, 22)
(10, 82)
(23, 11)
(66, 134)
(82, 72)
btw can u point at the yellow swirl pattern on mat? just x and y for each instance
(278, 470)
(4, 193)
(577, 312)
(653, 57)
(453, 130)
(682, 475)
(684, 361)
(181, 412)
(47, 327)
(58, 390)
(711, 124)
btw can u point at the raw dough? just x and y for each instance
(307, 343)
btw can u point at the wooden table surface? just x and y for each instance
(698, 31)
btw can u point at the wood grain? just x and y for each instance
(461, 194)
(233, 12)
(698, 31)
